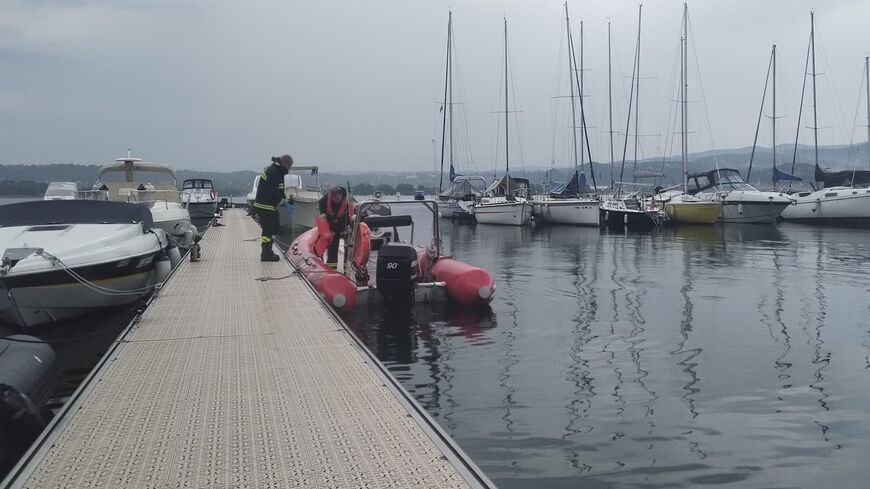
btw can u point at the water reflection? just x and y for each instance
(618, 356)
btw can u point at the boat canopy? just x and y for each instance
(783, 176)
(568, 189)
(130, 165)
(508, 185)
(46, 212)
(461, 187)
(845, 178)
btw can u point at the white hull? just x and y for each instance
(119, 257)
(580, 212)
(749, 207)
(27, 307)
(503, 212)
(174, 220)
(843, 206)
(202, 210)
(304, 213)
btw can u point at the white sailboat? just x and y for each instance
(461, 191)
(680, 206)
(564, 203)
(844, 199)
(506, 199)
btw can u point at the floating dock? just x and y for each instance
(231, 381)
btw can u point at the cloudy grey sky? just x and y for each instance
(354, 85)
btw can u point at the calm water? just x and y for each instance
(732, 356)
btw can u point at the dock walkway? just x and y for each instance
(227, 381)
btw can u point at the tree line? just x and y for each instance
(22, 188)
(387, 189)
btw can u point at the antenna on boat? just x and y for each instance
(773, 117)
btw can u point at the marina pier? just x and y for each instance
(237, 375)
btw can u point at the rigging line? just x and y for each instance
(760, 112)
(583, 118)
(628, 119)
(704, 97)
(671, 117)
(800, 110)
(554, 104)
(857, 109)
(517, 114)
(834, 94)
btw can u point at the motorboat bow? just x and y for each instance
(199, 197)
(64, 259)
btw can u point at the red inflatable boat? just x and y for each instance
(378, 267)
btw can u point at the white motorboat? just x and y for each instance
(838, 206)
(199, 197)
(741, 202)
(61, 191)
(140, 185)
(64, 259)
(304, 198)
(252, 196)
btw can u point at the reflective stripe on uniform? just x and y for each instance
(264, 206)
(263, 176)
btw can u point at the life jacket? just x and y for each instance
(324, 236)
(330, 207)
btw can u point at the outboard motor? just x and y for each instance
(397, 266)
(28, 372)
(397, 271)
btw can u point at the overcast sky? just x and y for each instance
(354, 85)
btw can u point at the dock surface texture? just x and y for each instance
(228, 381)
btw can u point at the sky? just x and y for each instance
(356, 86)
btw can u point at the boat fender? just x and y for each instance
(189, 235)
(324, 235)
(174, 256)
(20, 424)
(363, 246)
(162, 268)
(740, 208)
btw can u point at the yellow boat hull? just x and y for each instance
(693, 212)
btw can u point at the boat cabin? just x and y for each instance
(197, 183)
(132, 180)
(722, 180)
(61, 191)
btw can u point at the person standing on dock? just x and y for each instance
(335, 210)
(270, 196)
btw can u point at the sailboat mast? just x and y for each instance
(580, 80)
(610, 99)
(571, 83)
(443, 111)
(684, 78)
(450, 79)
(867, 79)
(815, 120)
(507, 165)
(773, 118)
(637, 95)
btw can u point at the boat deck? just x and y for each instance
(229, 381)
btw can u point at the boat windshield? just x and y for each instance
(197, 183)
(731, 180)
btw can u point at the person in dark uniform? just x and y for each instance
(335, 208)
(270, 196)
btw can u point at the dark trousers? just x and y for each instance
(269, 224)
(332, 251)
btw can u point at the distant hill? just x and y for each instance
(32, 179)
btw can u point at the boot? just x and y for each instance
(267, 254)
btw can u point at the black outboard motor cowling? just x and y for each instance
(397, 271)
